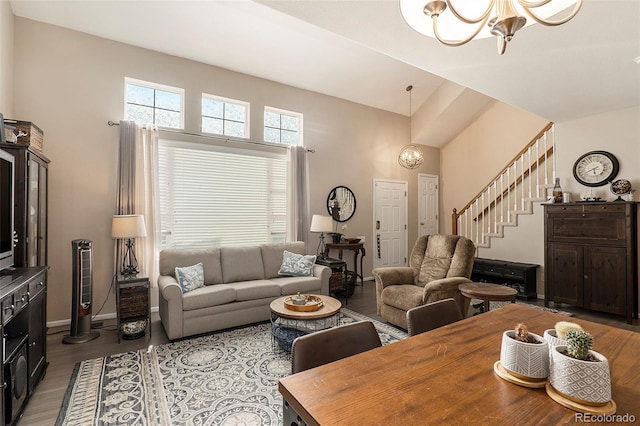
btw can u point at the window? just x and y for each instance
(225, 116)
(282, 126)
(154, 103)
(212, 195)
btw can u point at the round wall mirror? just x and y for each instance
(341, 203)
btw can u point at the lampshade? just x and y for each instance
(321, 223)
(128, 226)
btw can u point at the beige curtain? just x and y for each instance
(136, 189)
(298, 196)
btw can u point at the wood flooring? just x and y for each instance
(44, 405)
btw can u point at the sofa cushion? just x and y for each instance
(255, 289)
(292, 285)
(190, 277)
(241, 264)
(272, 255)
(296, 265)
(403, 297)
(210, 258)
(437, 258)
(207, 296)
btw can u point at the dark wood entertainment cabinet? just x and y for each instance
(591, 251)
(23, 309)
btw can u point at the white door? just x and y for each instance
(428, 205)
(390, 223)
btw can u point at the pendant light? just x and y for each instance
(410, 156)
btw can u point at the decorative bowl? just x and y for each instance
(352, 240)
(133, 329)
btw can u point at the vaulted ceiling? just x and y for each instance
(364, 52)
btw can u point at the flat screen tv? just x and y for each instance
(6, 209)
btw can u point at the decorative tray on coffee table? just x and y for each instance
(311, 303)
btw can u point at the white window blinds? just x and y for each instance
(214, 196)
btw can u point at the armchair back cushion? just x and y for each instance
(441, 256)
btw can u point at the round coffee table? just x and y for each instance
(488, 292)
(287, 324)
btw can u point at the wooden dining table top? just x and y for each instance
(445, 376)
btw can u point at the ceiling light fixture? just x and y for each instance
(410, 156)
(501, 18)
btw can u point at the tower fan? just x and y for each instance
(81, 301)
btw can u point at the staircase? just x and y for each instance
(524, 181)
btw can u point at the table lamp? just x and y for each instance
(129, 227)
(321, 224)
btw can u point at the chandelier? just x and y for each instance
(410, 156)
(468, 19)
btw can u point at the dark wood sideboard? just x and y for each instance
(517, 275)
(591, 254)
(23, 301)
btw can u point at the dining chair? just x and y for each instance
(323, 347)
(432, 315)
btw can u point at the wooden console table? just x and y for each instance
(358, 250)
(445, 376)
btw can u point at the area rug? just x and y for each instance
(497, 305)
(226, 378)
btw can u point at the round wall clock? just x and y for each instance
(596, 168)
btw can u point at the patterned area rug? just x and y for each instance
(227, 378)
(497, 305)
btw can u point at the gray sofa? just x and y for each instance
(240, 284)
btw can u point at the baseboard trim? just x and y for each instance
(102, 317)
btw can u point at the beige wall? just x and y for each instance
(479, 153)
(71, 84)
(6, 59)
(617, 132)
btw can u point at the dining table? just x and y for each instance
(446, 376)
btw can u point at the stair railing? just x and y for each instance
(523, 181)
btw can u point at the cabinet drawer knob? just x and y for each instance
(586, 277)
(32, 344)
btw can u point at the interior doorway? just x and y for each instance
(428, 221)
(389, 223)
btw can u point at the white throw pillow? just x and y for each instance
(190, 277)
(296, 265)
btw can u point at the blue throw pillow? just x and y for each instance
(190, 277)
(296, 265)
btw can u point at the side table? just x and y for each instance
(341, 281)
(357, 248)
(488, 292)
(132, 303)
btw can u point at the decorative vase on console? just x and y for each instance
(336, 237)
(557, 192)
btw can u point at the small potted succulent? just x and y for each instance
(579, 373)
(525, 355)
(558, 334)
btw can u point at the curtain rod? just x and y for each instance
(313, 151)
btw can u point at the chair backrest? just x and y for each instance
(441, 256)
(432, 315)
(323, 347)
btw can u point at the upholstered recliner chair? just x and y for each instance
(438, 264)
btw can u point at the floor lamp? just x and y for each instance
(321, 224)
(129, 227)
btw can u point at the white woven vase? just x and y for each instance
(551, 336)
(586, 382)
(525, 360)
